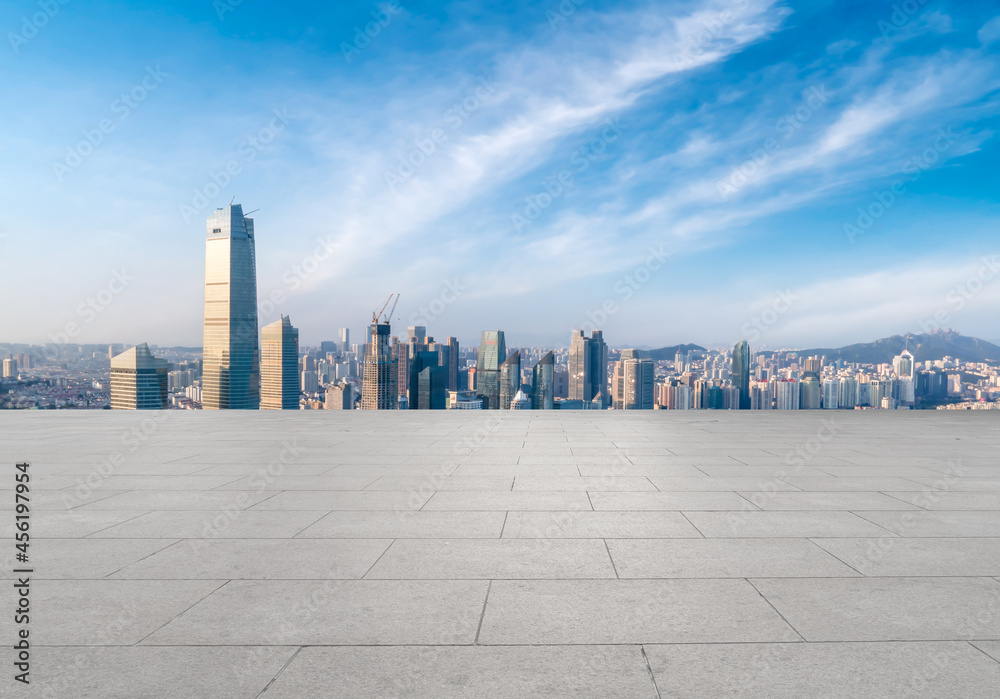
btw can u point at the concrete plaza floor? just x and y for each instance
(461, 554)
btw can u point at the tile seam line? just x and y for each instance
(182, 612)
(278, 673)
(649, 669)
(482, 615)
(153, 553)
(782, 616)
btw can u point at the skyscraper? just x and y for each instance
(492, 353)
(452, 363)
(138, 380)
(543, 383)
(231, 354)
(344, 339)
(634, 383)
(588, 367)
(378, 387)
(741, 374)
(427, 382)
(279, 364)
(510, 379)
(416, 334)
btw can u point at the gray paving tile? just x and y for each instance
(723, 558)
(259, 559)
(629, 611)
(105, 612)
(430, 483)
(991, 648)
(783, 524)
(823, 670)
(887, 609)
(960, 523)
(76, 559)
(580, 483)
(892, 556)
(296, 482)
(451, 672)
(691, 500)
(815, 501)
(832, 483)
(343, 500)
(509, 501)
(54, 500)
(934, 500)
(720, 483)
(457, 559)
(148, 500)
(417, 525)
(193, 482)
(590, 525)
(138, 672)
(331, 612)
(980, 485)
(60, 525)
(205, 524)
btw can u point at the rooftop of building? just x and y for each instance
(535, 553)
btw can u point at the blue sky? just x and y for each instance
(805, 174)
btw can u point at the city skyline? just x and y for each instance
(822, 109)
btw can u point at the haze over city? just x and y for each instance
(519, 169)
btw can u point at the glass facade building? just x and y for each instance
(542, 383)
(492, 353)
(741, 374)
(279, 366)
(510, 379)
(231, 353)
(588, 367)
(138, 380)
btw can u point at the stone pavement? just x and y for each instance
(460, 554)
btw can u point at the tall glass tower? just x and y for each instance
(741, 373)
(279, 366)
(588, 367)
(231, 352)
(510, 379)
(542, 386)
(492, 353)
(379, 375)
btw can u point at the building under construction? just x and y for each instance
(379, 372)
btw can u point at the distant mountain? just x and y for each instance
(933, 345)
(668, 352)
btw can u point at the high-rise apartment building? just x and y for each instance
(339, 397)
(510, 379)
(378, 387)
(588, 367)
(138, 380)
(9, 368)
(492, 353)
(786, 394)
(831, 394)
(543, 383)
(741, 374)
(279, 364)
(633, 383)
(231, 355)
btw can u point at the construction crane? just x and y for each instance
(377, 316)
(392, 310)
